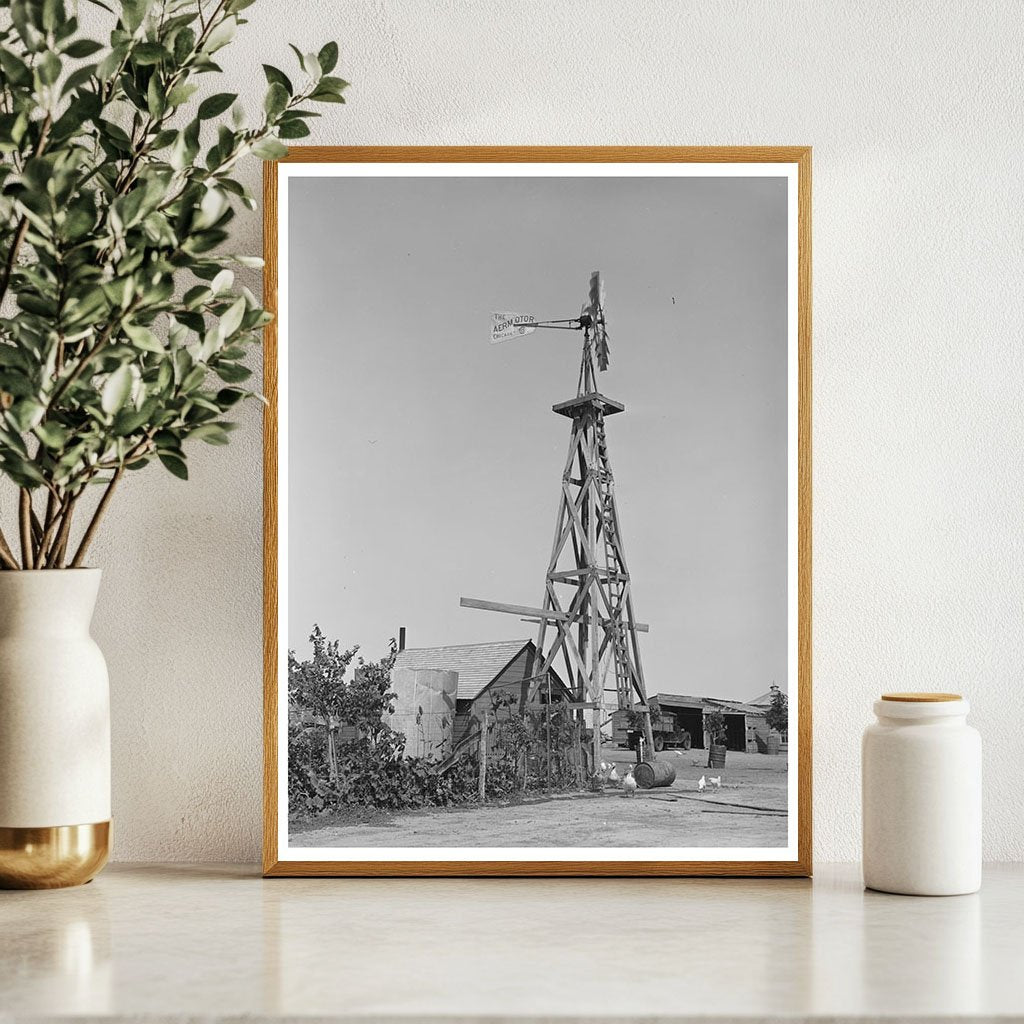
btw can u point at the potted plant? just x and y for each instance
(714, 723)
(122, 343)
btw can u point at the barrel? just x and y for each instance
(773, 742)
(649, 774)
(716, 755)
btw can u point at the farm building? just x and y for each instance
(681, 722)
(483, 670)
(743, 723)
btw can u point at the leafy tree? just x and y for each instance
(122, 333)
(777, 715)
(317, 686)
(714, 722)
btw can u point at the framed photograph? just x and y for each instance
(538, 511)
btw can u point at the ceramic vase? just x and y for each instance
(921, 777)
(54, 731)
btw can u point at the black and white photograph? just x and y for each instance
(537, 512)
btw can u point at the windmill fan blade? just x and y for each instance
(601, 347)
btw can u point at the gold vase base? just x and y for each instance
(53, 857)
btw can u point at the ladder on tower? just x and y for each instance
(616, 577)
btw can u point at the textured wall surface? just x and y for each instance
(914, 113)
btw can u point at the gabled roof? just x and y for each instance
(478, 665)
(763, 700)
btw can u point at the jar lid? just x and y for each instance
(921, 698)
(918, 706)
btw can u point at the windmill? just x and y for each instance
(586, 621)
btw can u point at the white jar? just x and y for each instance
(921, 777)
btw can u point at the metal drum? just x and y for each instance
(651, 774)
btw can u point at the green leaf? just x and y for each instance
(275, 75)
(26, 414)
(276, 99)
(323, 96)
(116, 390)
(232, 319)
(78, 78)
(211, 433)
(133, 12)
(216, 104)
(181, 94)
(293, 130)
(269, 149)
(233, 373)
(149, 53)
(49, 68)
(184, 44)
(143, 338)
(175, 464)
(156, 100)
(83, 48)
(109, 65)
(334, 84)
(328, 57)
(53, 435)
(222, 34)
(16, 70)
(222, 281)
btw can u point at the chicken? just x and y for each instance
(701, 784)
(716, 781)
(629, 783)
(613, 775)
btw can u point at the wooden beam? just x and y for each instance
(641, 627)
(533, 614)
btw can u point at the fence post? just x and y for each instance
(483, 758)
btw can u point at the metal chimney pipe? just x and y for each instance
(401, 638)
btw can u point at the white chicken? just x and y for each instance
(701, 784)
(613, 775)
(716, 781)
(629, 784)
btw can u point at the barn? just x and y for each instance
(743, 722)
(504, 666)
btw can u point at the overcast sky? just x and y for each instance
(425, 463)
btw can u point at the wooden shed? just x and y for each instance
(484, 669)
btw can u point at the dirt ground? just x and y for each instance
(748, 810)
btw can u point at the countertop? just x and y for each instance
(177, 942)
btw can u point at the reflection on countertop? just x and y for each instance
(178, 941)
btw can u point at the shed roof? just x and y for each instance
(736, 706)
(763, 700)
(478, 665)
(677, 700)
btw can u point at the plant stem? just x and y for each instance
(94, 523)
(22, 229)
(87, 356)
(25, 522)
(56, 556)
(6, 555)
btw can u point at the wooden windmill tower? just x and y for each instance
(586, 620)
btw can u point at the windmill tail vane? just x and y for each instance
(509, 326)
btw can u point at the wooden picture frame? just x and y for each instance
(792, 160)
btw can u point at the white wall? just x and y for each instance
(914, 111)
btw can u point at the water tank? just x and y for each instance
(424, 710)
